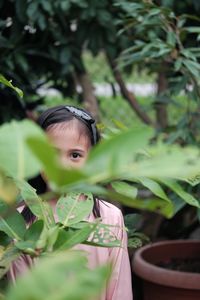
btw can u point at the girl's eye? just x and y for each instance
(75, 155)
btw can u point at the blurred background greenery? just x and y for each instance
(127, 62)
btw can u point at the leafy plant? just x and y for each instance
(135, 239)
(165, 38)
(117, 159)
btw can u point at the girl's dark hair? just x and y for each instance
(59, 114)
(66, 113)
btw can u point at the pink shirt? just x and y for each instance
(119, 286)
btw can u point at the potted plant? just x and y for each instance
(169, 270)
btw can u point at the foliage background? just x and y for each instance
(71, 46)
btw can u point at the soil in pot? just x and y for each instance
(170, 270)
(191, 265)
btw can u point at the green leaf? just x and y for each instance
(154, 204)
(103, 236)
(178, 64)
(26, 246)
(65, 5)
(34, 231)
(192, 66)
(60, 276)
(68, 239)
(43, 239)
(47, 6)
(4, 239)
(9, 84)
(119, 124)
(171, 38)
(175, 187)
(32, 10)
(134, 242)
(174, 161)
(8, 255)
(124, 188)
(13, 225)
(3, 208)
(74, 207)
(39, 208)
(132, 220)
(178, 203)
(16, 159)
(192, 29)
(154, 187)
(8, 190)
(52, 237)
(111, 157)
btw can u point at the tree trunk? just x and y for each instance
(160, 107)
(89, 99)
(130, 97)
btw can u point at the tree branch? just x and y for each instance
(130, 97)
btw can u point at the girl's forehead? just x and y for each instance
(57, 127)
(70, 133)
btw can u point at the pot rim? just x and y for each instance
(159, 275)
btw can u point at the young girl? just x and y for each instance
(73, 132)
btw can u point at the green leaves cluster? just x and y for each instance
(165, 39)
(43, 41)
(126, 160)
(60, 276)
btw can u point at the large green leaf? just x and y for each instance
(121, 156)
(111, 157)
(60, 276)
(13, 224)
(174, 161)
(74, 207)
(16, 159)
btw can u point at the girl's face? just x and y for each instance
(73, 147)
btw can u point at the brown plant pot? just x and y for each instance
(163, 284)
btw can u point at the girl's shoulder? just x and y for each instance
(110, 213)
